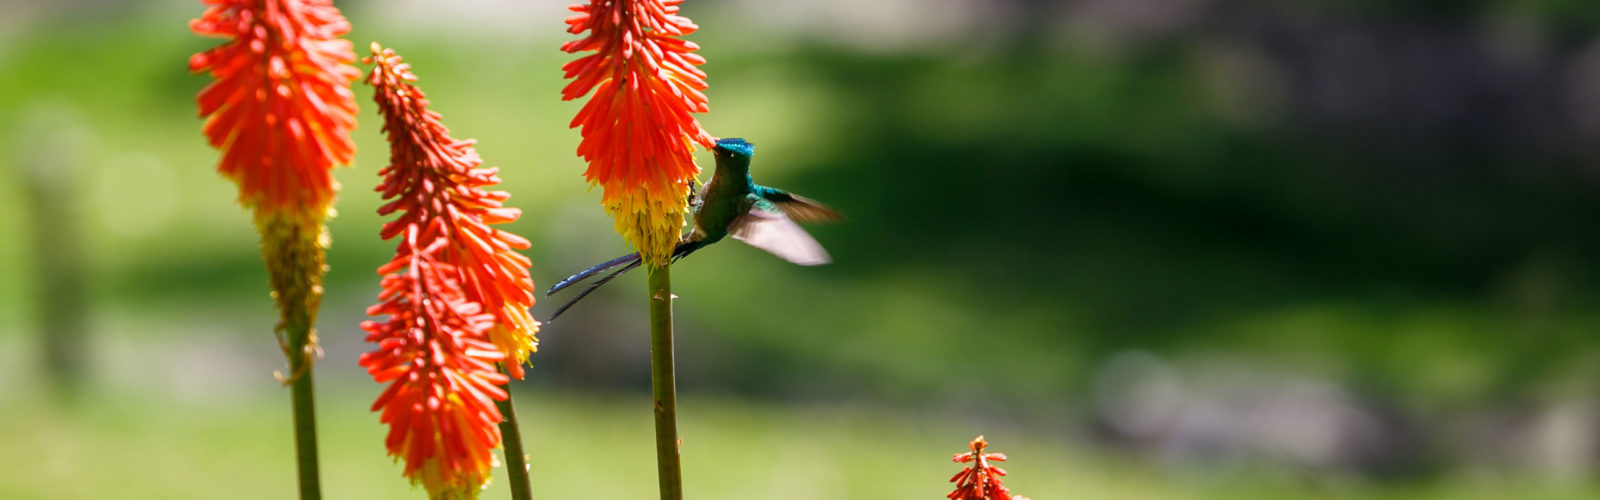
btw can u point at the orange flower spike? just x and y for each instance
(456, 295)
(981, 480)
(454, 188)
(281, 108)
(638, 129)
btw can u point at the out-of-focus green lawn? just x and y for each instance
(130, 447)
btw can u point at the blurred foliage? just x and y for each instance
(1019, 211)
(1035, 209)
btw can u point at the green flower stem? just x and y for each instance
(305, 413)
(511, 439)
(662, 384)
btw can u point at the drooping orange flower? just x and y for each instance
(981, 480)
(281, 107)
(457, 294)
(638, 131)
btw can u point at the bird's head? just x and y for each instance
(733, 155)
(734, 146)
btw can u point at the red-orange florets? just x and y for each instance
(457, 294)
(281, 107)
(981, 480)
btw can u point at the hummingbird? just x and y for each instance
(731, 204)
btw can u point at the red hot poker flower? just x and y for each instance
(980, 481)
(281, 111)
(281, 107)
(436, 176)
(457, 295)
(638, 132)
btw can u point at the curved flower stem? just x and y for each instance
(305, 413)
(511, 438)
(662, 384)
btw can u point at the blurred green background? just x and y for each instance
(1153, 249)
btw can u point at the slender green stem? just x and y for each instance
(293, 251)
(305, 412)
(511, 438)
(663, 386)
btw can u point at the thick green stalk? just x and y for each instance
(511, 439)
(662, 384)
(305, 413)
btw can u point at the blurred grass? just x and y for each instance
(143, 447)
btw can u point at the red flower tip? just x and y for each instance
(980, 481)
(281, 109)
(456, 293)
(638, 131)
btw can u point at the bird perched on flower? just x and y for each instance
(733, 204)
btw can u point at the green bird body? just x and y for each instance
(732, 204)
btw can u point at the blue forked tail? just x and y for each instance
(628, 262)
(586, 273)
(592, 288)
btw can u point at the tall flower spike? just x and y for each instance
(456, 294)
(981, 480)
(638, 132)
(281, 111)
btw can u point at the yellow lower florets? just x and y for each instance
(652, 224)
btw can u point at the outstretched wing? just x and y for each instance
(800, 208)
(774, 232)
